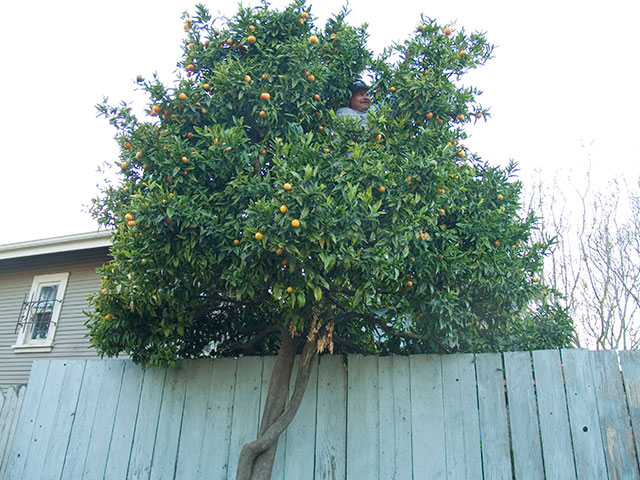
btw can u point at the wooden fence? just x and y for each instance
(569, 414)
(10, 403)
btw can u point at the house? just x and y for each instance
(44, 285)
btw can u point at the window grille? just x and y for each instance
(35, 315)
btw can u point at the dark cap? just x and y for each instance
(357, 86)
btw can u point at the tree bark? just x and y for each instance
(257, 458)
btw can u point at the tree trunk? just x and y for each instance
(256, 458)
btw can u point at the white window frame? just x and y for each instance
(25, 344)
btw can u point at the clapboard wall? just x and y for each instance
(569, 414)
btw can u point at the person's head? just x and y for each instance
(360, 99)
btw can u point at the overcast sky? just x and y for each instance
(562, 88)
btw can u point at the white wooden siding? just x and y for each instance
(546, 415)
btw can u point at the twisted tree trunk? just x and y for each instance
(256, 458)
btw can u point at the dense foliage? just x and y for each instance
(245, 204)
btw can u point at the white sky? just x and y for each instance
(562, 88)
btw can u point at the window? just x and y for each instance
(40, 311)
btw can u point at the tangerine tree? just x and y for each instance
(249, 219)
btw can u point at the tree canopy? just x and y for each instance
(245, 209)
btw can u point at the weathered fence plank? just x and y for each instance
(80, 435)
(246, 408)
(363, 449)
(554, 420)
(427, 414)
(583, 415)
(146, 424)
(196, 409)
(125, 422)
(65, 412)
(102, 427)
(49, 403)
(219, 416)
(523, 417)
(331, 429)
(26, 421)
(462, 435)
(496, 461)
(165, 451)
(630, 362)
(395, 417)
(614, 419)
(12, 402)
(299, 440)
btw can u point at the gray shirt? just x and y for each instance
(350, 112)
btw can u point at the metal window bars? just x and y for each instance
(35, 315)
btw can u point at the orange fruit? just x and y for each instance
(497, 243)
(500, 197)
(182, 96)
(265, 96)
(287, 186)
(447, 31)
(229, 41)
(128, 216)
(295, 223)
(409, 178)
(247, 78)
(131, 223)
(304, 15)
(227, 149)
(252, 28)
(103, 291)
(143, 261)
(189, 135)
(316, 97)
(127, 144)
(236, 242)
(139, 155)
(289, 289)
(378, 137)
(478, 115)
(157, 108)
(264, 76)
(262, 113)
(283, 208)
(311, 77)
(124, 164)
(191, 67)
(441, 190)
(107, 317)
(442, 211)
(392, 89)
(429, 115)
(313, 39)
(258, 236)
(409, 283)
(251, 39)
(185, 159)
(262, 151)
(284, 261)
(463, 53)
(301, 21)
(278, 251)
(327, 150)
(382, 189)
(187, 26)
(320, 128)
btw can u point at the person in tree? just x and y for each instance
(359, 103)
